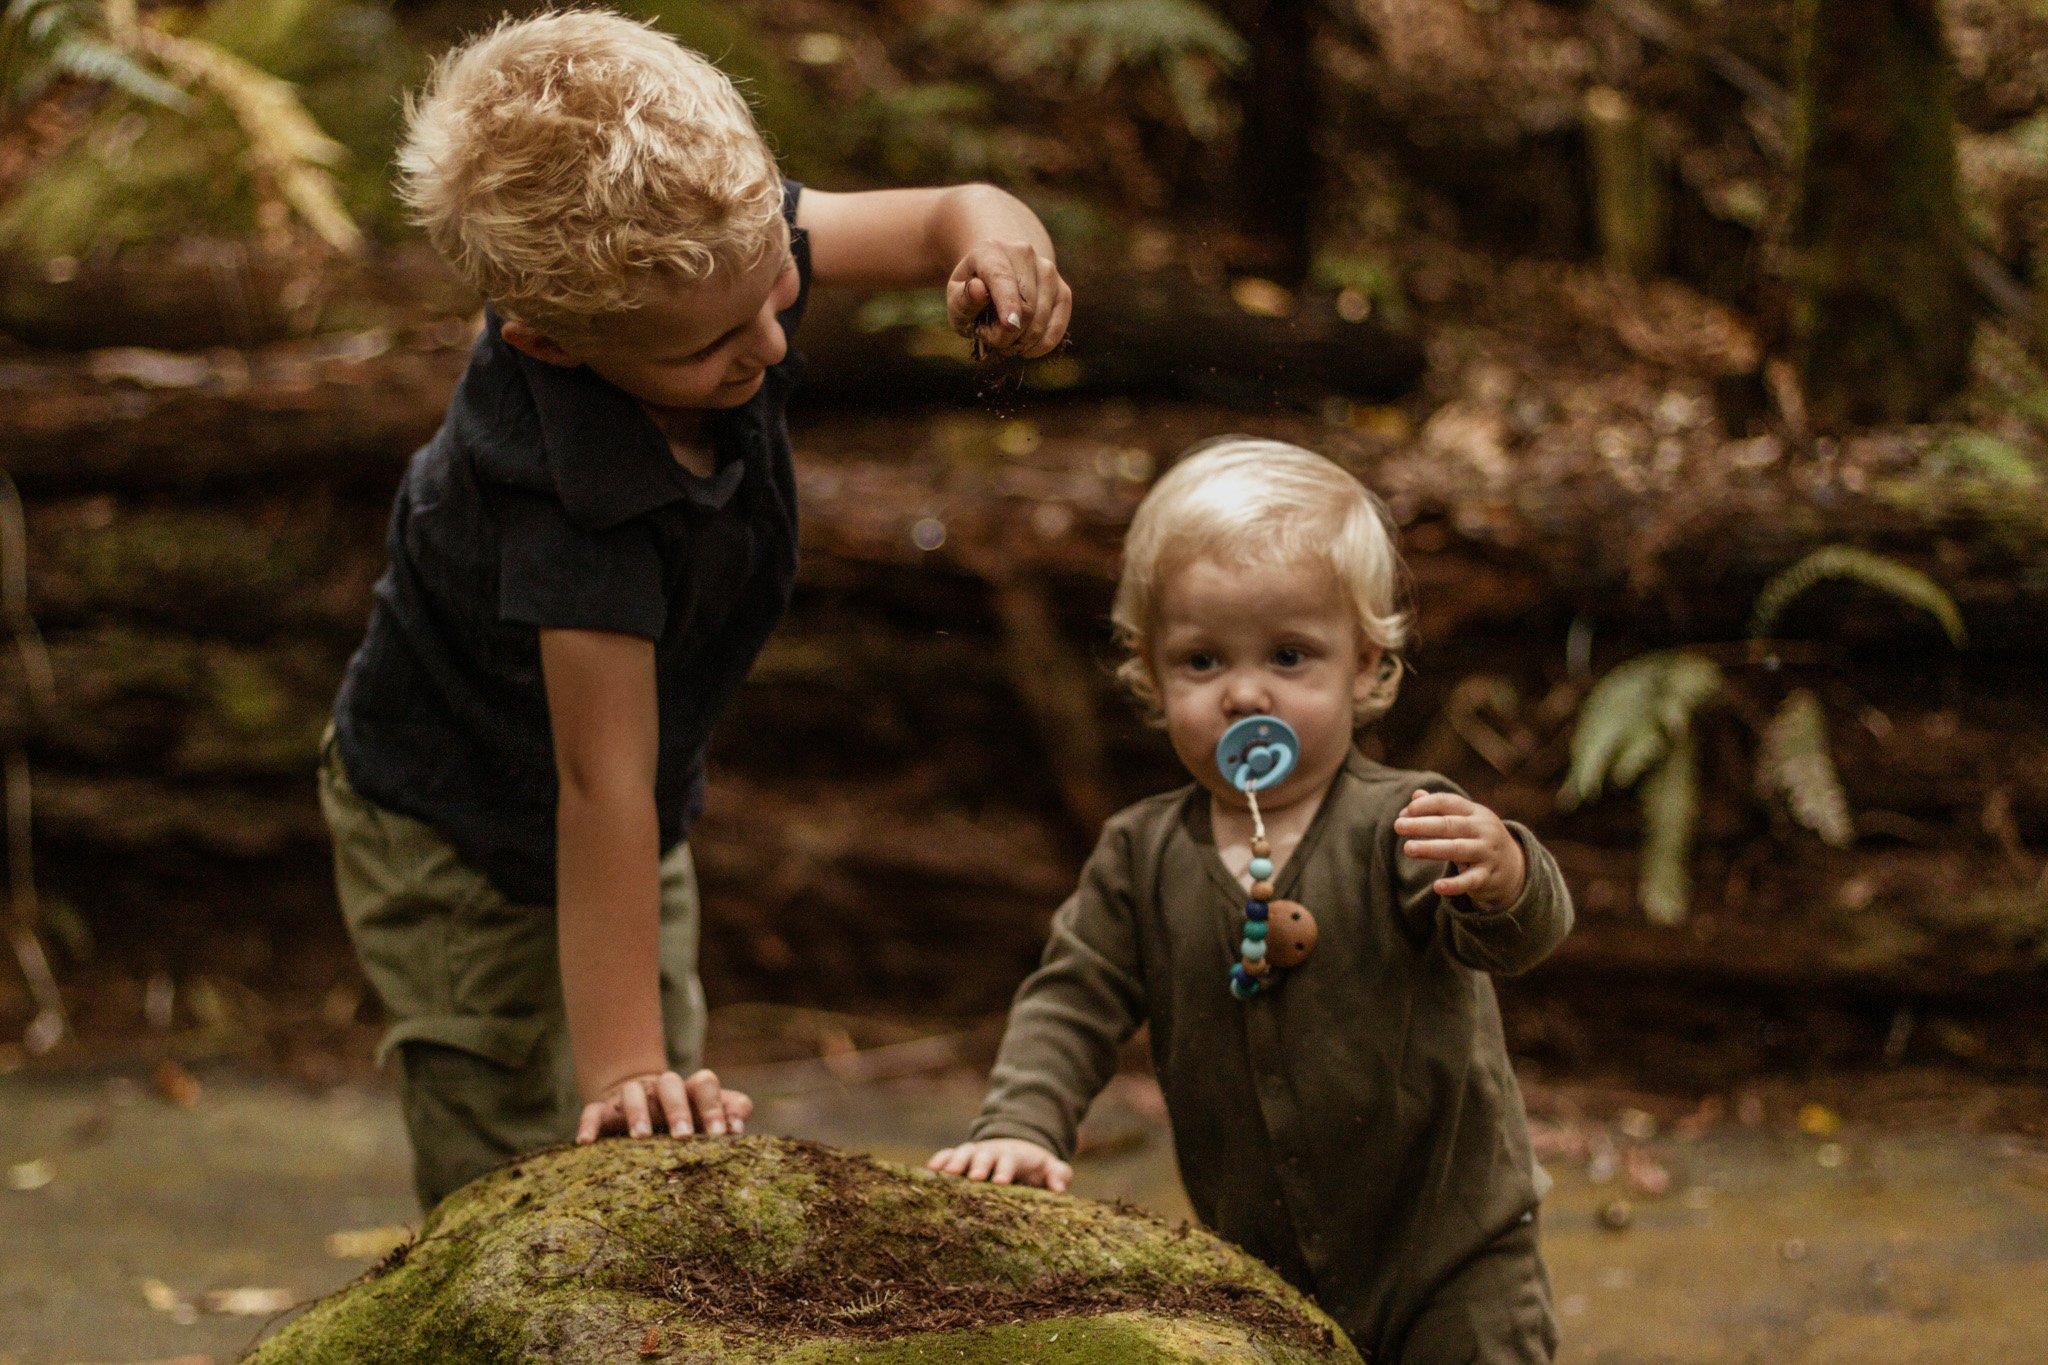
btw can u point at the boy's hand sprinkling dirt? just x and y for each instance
(1009, 297)
(1005, 1161)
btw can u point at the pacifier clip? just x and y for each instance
(1257, 752)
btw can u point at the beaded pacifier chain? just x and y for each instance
(1259, 752)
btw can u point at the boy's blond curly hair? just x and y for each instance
(1246, 500)
(557, 161)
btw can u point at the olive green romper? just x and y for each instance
(1359, 1127)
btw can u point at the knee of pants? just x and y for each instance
(467, 1114)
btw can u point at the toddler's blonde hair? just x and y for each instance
(1246, 500)
(557, 161)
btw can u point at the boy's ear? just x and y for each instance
(1368, 679)
(538, 344)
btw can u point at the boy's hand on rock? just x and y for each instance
(638, 1104)
(1005, 1161)
(1010, 298)
(1487, 864)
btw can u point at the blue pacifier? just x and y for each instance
(1257, 752)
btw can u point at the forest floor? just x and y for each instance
(163, 1214)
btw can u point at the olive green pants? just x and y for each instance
(473, 988)
(1493, 1310)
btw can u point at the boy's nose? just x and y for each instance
(1245, 696)
(766, 343)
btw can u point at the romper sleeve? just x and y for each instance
(1502, 942)
(1073, 1015)
(555, 575)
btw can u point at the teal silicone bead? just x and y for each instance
(1261, 869)
(1255, 930)
(1251, 950)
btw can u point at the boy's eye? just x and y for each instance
(1288, 656)
(1200, 662)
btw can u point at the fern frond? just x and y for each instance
(285, 144)
(1794, 761)
(1980, 455)
(1670, 799)
(1887, 575)
(91, 59)
(1630, 721)
(1089, 41)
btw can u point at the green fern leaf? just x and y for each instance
(1670, 799)
(1902, 581)
(1087, 42)
(1631, 719)
(1795, 762)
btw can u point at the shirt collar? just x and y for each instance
(610, 463)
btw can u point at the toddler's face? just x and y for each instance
(700, 345)
(1274, 639)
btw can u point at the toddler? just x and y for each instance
(1316, 979)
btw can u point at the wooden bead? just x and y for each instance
(1257, 967)
(1262, 891)
(1291, 933)
(1261, 849)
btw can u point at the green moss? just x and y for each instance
(785, 1253)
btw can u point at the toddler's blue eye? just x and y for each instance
(1287, 656)
(1201, 663)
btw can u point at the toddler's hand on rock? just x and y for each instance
(1005, 1161)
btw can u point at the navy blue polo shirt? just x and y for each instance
(550, 499)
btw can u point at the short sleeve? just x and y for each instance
(556, 576)
(800, 249)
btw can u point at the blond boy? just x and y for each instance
(1355, 1121)
(585, 561)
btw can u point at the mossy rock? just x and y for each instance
(759, 1250)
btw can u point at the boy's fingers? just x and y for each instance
(706, 1097)
(984, 1161)
(1056, 320)
(1437, 803)
(953, 1160)
(1464, 884)
(592, 1122)
(1005, 1169)
(1464, 852)
(675, 1105)
(1008, 299)
(739, 1107)
(1058, 1176)
(633, 1100)
(1437, 826)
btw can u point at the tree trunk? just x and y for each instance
(1880, 315)
(1278, 168)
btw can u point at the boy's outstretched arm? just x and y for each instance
(984, 244)
(601, 704)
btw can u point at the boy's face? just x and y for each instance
(689, 345)
(1272, 639)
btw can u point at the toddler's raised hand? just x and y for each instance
(637, 1104)
(1487, 865)
(1022, 287)
(1005, 1161)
